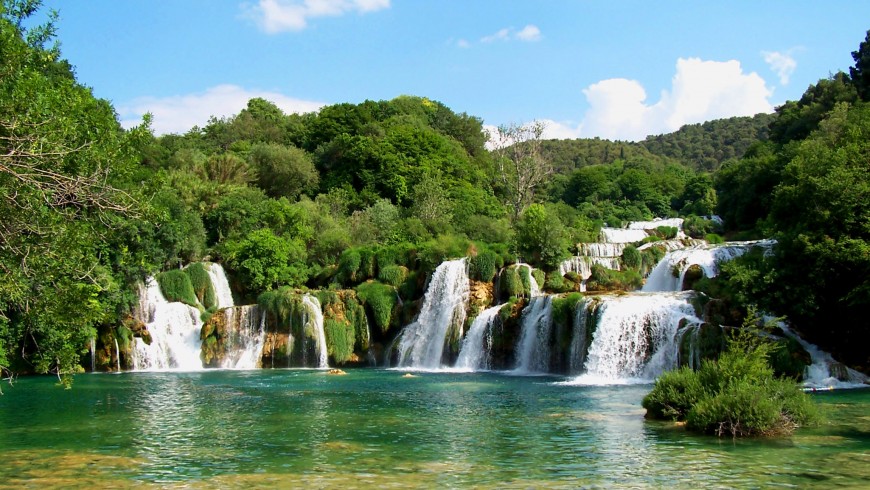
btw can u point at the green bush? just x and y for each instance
(631, 258)
(176, 286)
(735, 395)
(483, 266)
(367, 264)
(202, 286)
(512, 284)
(339, 340)
(394, 275)
(603, 279)
(714, 238)
(381, 300)
(348, 266)
(667, 232)
(539, 276)
(675, 393)
(555, 283)
(282, 304)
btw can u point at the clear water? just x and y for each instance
(377, 428)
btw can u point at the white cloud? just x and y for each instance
(274, 16)
(178, 114)
(527, 34)
(501, 35)
(700, 91)
(783, 64)
(462, 43)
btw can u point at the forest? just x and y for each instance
(373, 196)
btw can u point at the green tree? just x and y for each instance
(284, 171)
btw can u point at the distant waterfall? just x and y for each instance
(174, 330)
(820, 374)
(246, 335)
(579, 339)
(533, 347)
(312, 321)
(220, 284)
(670, 272)
(421, 343)
(636, 336)
(474, 354)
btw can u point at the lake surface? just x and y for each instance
(376, 428)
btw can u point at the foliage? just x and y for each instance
(541, 237)
(631, 258)
(176, 286)
(484, 266)
(735, 395)
(263, 260)
(201, 283)
(512, 284)
(603, 279)
(380, 300)
(394, 275)
(340, 340)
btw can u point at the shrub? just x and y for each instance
(482, 266)
(714, 238)
(394, 275)
(631, 258)
(381, 300)
(202, 286)
(667, 232)
(557, 284)
(348, 266)
(339, 340)
(736, 395)
(176, 286)
(539, 276)
(512, 283)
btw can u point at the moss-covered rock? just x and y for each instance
(693, 274)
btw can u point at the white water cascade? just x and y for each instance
(312, 321)
(93, 349)
(421, 343)
(636, 337)
(636, 230)
(670, 272)
(474, 353)
(174, 329)
(579, 339)
(818, 374)
(244, 344)
(533, 347)
(220, 284)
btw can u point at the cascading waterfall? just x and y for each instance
(117, 357)
(474, 353)
(533, 347)
(220, 284)
(246, 335)
(579, 339)
(670, 272)
(636, 337)
(93, 348)
(174, 329)
(819, 373)
(636, 230)
(421, 343)
(312, 321)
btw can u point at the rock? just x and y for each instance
(336, 372)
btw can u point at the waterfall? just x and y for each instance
(534, 288)
(670, 272)
(579, 340)
(636, 337)
(93, 348)
(421, 343)
(220, 284)
(622, 235)
(246, 335)
(474, 354)
(312, 321)
(117, 357)
(533, 348)
(174, 329)
(818, 374)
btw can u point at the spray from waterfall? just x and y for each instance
(421, 343)
(174, 329)
(474, 353)
(313, 324)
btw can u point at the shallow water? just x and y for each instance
(376, 428)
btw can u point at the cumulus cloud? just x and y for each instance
(700, 91)
(528, 33)
(783, 64)
(179, 113)
(274, 16)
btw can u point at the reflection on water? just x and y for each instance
(377, 429)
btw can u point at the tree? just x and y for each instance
(861, 71)
(520, 168)
(284, 171)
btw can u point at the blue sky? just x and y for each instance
(613, 69)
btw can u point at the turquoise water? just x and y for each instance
(376, 428)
